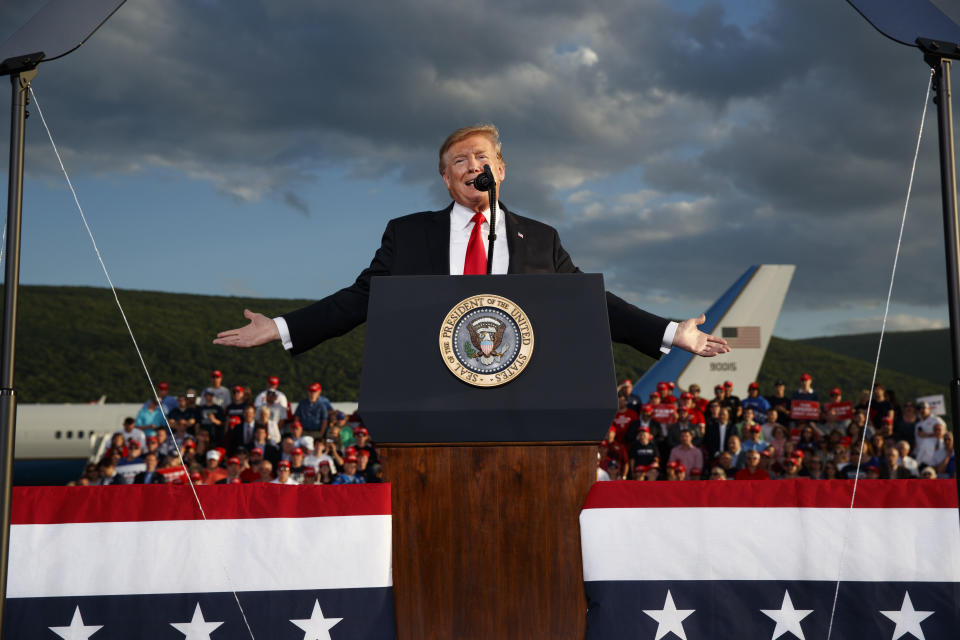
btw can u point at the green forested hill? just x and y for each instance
(922, 354)
(73, 347)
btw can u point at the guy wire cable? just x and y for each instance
(143, 363)
(876, 364)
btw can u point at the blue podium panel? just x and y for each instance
(566, 393)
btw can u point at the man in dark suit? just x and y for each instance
(447, 242)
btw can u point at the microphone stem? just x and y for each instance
(493, 228)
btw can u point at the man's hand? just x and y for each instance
(261, 330)
(691, 339)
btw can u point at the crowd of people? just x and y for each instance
(229, 435)
(777, 436)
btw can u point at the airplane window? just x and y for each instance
(69, 434)
(57, 435)
(79, 434)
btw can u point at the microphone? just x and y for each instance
(484, 181)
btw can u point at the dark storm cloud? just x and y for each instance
(787, 140)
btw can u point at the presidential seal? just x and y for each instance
(486, 340)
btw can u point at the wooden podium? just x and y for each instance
(488, 483)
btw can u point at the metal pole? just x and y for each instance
(20, 83)
(948, 191)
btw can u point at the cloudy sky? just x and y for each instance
(258, 148)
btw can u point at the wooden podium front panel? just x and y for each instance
(486, 540)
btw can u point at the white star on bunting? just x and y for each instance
(197, 628)
(787, 618)
(76, 630)
(669, 618)
(316, 627)
(907, 619)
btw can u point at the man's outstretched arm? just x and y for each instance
(260, 330)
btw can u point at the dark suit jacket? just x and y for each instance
(419, 244)
(711, 437)
(156, 478)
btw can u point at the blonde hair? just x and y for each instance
(488, 130)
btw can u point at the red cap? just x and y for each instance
(672, 385)
(654, 395)
(273, 380)
(686, 395)
(297, 451)
(646, 409)
(662, 386)
(283, 464)
(363, 452)
(216, 374)
(644, 428)
(163, 385)
(797, 454)
(310, 472)
(641, 467)
(234, 460)
(718, 387)
(323, 463)
(195, 476)
(238, 389)
(845, 441)
(681, 468)
(672, 464)
(836, 391)
(753, 385)
(315, 387)
(256, 451)
(235, 420)
(234, 481)
(728, 384)
(887, 420)
(626, 381)
(189, 442)
(133, 442)
(152, 439)
(756, 428)
(361, 431)
(350, 458)
(806, 376)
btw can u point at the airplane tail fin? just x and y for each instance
(744, 316)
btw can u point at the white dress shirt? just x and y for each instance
(461, 226)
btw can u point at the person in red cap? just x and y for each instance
(314, 410)
(757, 402)
(167, 401)
(232, 434)
(752, 470)
(730, 399)
(296, 464)
(325, 472)
(238, 403)
(612, 449)
(283, 474)
(310, 476)
(623, 417)
(273, 384)
(221, 395)
(643, 451)
(666, 396)
(806, 392)
(234, 471)
(349, 473)
(364, 443)
(252, 472)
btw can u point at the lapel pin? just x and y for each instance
(519, 235)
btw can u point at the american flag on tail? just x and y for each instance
(717, 560)
(741, 337)
(98, 563)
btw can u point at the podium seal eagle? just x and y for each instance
(486, 340)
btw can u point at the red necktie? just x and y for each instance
(476, 260)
